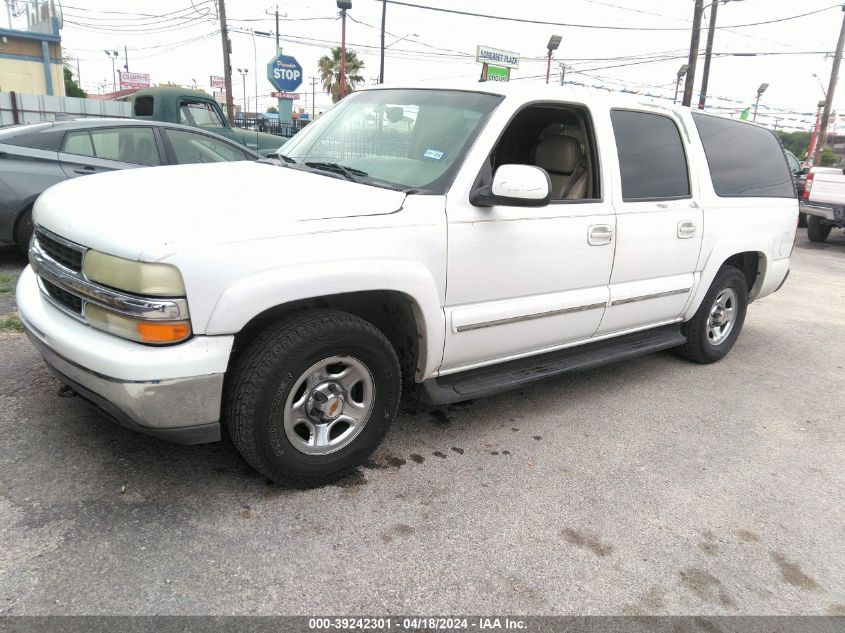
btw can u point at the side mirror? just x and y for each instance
(515, 185)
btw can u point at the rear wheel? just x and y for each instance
(312, 396)
(23, 231)
(714, 329)
(817, 230)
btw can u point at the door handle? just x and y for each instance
(687, 229)
(85, 170)
(599, 234)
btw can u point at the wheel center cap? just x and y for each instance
(719, 317)
(333, 407)
(326, 402)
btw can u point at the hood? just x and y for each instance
(157, 211)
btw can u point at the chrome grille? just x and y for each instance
(68, 300)
(53, 259)
(61, 251)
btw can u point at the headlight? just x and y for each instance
(159, 332)
(156, 280)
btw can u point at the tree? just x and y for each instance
(272, 110)
(72, 88)
(795, 142)
(829, 159)
(329, 67)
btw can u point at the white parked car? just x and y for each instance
(451, 242)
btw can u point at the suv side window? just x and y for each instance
(745, 160)
(652, 160)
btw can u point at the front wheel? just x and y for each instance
(817, 231)
(714, 329)
(312, 396)
(24, 230)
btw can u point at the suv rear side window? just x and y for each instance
(652, 160)
(744, 160)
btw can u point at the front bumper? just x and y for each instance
(173, 392)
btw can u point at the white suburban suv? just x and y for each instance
(453, 241)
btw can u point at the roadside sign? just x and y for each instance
(216, 82)
(497, 73)
(134, 80)
(284, 73)
(293, 96)
(497, 57)
(220, 97)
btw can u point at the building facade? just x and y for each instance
(31, 60)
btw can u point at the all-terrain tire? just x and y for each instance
(817, 231)
(699, 346)
(273, 364)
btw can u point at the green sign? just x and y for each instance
(497, 73)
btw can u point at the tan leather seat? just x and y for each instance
(561, 156)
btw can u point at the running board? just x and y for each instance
(486, 381)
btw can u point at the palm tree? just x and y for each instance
(330, 72)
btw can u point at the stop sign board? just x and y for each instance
(285, 73)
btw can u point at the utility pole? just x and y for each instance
(343, 5)
(831, 88)
(277, 28)
(313, 97)
(78, 74)
(383, 22)
(693, 51)
(711, 34)
(125, 58)
(227, 67)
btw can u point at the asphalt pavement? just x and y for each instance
(653, 486)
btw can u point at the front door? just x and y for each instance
(659, 223)
(524, 280)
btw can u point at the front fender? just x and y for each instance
(253, 295)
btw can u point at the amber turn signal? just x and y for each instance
(152, 332)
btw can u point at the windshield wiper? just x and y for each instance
(287, 159)
(350, 173)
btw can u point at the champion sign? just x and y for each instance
(496, 57)
(285, 73)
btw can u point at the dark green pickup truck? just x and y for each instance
(198, 109)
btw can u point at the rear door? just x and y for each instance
(658, 222)
(86, 152)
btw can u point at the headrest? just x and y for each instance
(558, 154)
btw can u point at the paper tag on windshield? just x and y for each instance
(433, 154)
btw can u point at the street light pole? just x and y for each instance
(553, 45)
(681, 72)
(760, 92)
(112, 55)
(383, 22)
(343, 5)
(244, 72)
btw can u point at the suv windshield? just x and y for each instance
(405, 139)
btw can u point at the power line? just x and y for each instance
(595, 26)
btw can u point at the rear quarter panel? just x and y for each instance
(765, 226)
